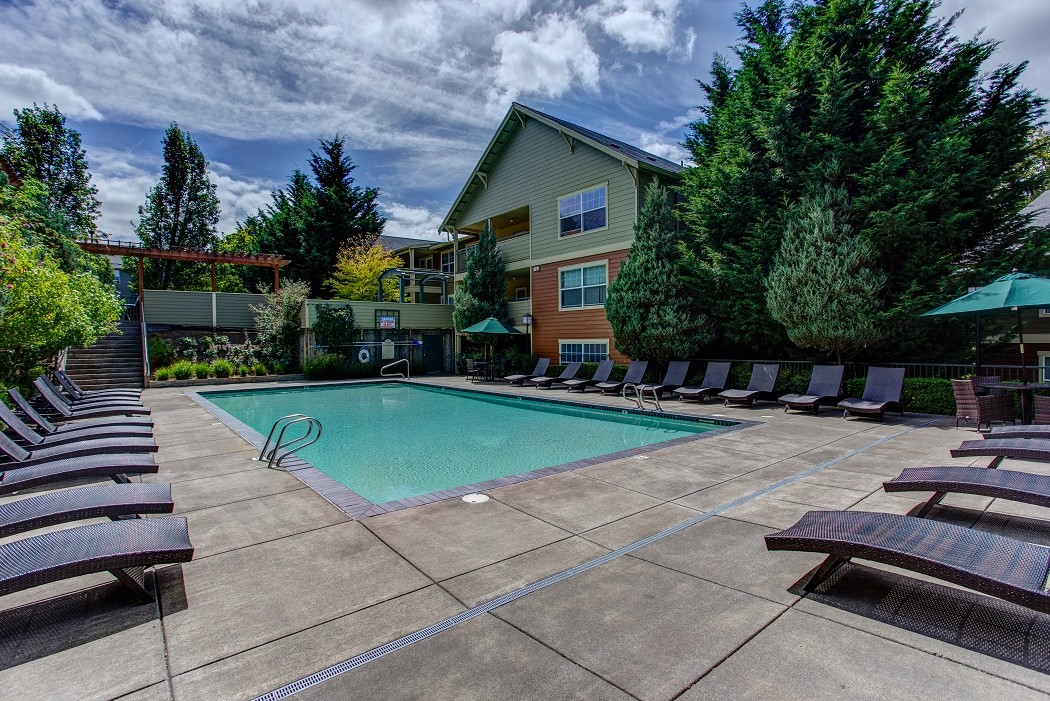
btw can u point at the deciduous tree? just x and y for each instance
(357, 271)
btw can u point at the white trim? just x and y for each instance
(1044, 365)
(581, 232)
(521, 297)
(596, 341)
(581, 266)
(429, 260)
(1044, 313)
(575, 255)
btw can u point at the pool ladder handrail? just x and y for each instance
(302, 441)
(406, 375)
(639, 396)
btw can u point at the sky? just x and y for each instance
(416, 87)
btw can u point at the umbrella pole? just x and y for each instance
(1020, 338)
(977, 358)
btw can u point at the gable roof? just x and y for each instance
(396, 243)
(517, 114)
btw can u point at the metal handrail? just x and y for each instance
(404, 375)
(639, 396)
(294, 444)
(145, 345)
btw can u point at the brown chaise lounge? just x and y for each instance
(760, 386)
(541, 367)
(601, 374)
(77, 392)
(825, 389)
(1011, 485)
(15, 478)
(715, 378)
(77, 449)
(66, 410)
(75, 424)
(992, 564)
(73, 402)
(1023, 431)
(677, 371)
(999, 448)
(567, 373)
(882, 393)
(112, 501)
(635, 374)
(36, 440)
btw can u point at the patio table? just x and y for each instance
(1025, 390)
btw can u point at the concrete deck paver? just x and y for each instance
(640, 525)
(653, 477)
(192, 495)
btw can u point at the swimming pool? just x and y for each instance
(388, 441)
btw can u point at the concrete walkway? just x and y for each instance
(283, 584)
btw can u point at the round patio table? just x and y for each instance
(1025, 389)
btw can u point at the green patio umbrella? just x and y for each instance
(491, 327)
(1013, 292)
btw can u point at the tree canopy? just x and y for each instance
(357, 271)
(483, 291)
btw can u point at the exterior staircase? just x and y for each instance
(114, 361)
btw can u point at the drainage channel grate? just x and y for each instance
(394, 645)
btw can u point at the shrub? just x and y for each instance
(201, 370)
(278, 322)
(276, 368)
(243, 370)
(163, 374)
(188, 348)
(259, 369)
(222, 368)
(161, 351)
(327, 366)
(921, 395)
(334, 326)
(182, 370)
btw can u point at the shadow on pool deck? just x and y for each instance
(284, 584)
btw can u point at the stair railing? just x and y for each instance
(145, 345)
(273, 455)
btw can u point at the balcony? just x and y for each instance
(514, 250)
(516, 309)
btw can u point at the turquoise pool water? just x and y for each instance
(389, 441)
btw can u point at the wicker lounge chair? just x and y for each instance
(98, 446)
(49, 428)
(112, 501)
(1022, 487)
(83, 403)
(76, 392)
(1042, 409)
(882, 393)
(677, 371)
(1009, 569)
(568, 373)
(635, 374)
(715, 378)
(981, 409)
(541, 367)
(36, 440)
(825, 389)
(1020, 431)
(61, 406)
(760, 386)
(999, 448)
(116, 467)
(122, 547)
(601, 374)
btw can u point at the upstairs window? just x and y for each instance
(448, 262)
(582, 212)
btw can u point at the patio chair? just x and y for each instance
(979, 382)
(541, 368)
(760, 386)
(635, 374)
(112, 501)
(98, 446)
(1042, 409)
(882, 393)
(991, 564)
(568, 373)
(677, 371)
(825, 389)
(999, 448)
(473, 371)
(83, 403)
(116, 467)
(76, 392)
(68, 411)
(1011, 485)
(981, 409)
(123, 548)
(601, 374)
(36, 440)
(715, 378)
(75, 424)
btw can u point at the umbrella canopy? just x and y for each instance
(491, 325)
(1016, 290)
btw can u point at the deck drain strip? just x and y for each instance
(394, 645)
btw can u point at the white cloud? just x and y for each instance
(21, 86)
(660, 145)
(546, 61)
(412, 222)
(639, 25)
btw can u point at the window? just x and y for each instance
(1044, 366)
(426, 263)
(451, 300)
(582, 286)
(448, 262)
(582, 212)
(521, 293)
(587, 351)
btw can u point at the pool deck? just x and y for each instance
(284, 584)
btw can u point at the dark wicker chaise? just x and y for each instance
(76, 392)
(715, 378)
(1020, 431)
(760, 386)
(999, 484)
(116, 467)
(568, 373)
(882, 393)
(123, 548)
(1009, 569)
(999, 448)
(63, 407)
(74, 403)
(677, 371)
(109, 500)
(98, 446)
(601, 374)
(825, 389)
(76, 424)
(635, 374)
(981, 409)
(1042, 409)
(541, 367)
(36, 440)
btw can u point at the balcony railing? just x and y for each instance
(514, 250)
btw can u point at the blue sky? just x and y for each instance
(417, 87)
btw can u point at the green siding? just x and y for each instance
(535, 168)
(177, 308)
(412, 316)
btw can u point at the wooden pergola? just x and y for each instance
(136, 250)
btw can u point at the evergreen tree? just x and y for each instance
(822, 287)
(483, 291)
(651, 308)
(181, 212)
(881, 100)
